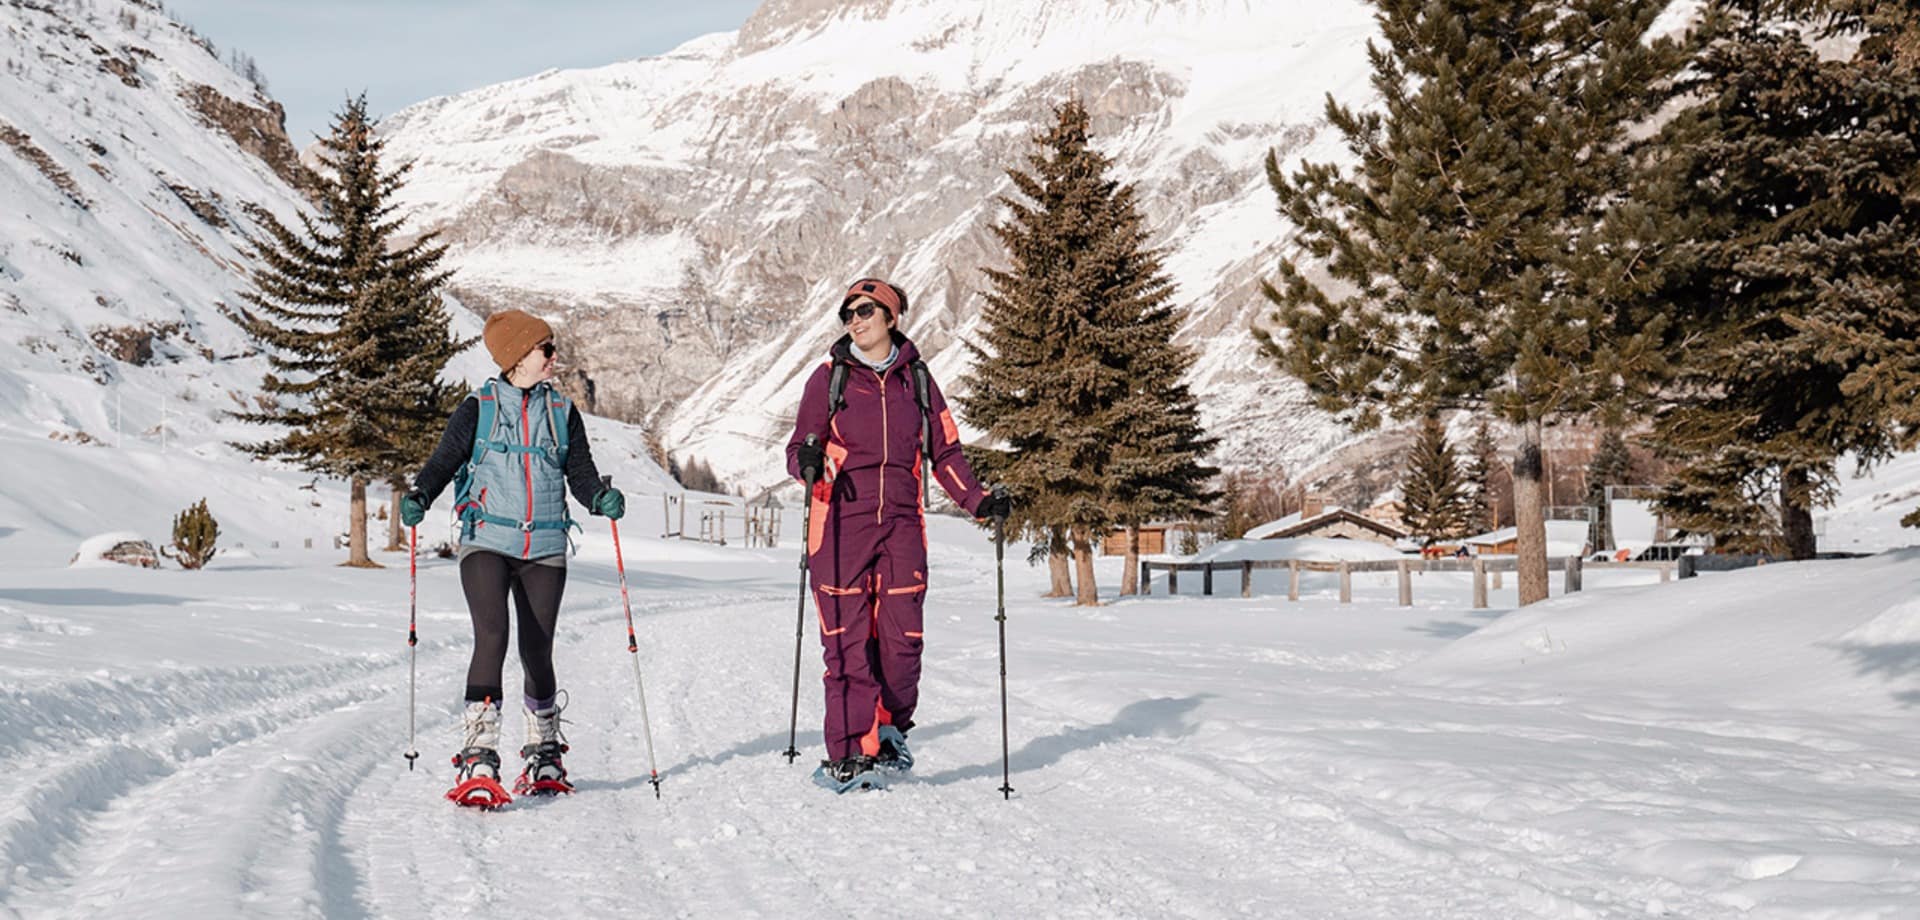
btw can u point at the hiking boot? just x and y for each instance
(847, 774)
(480, 723)
(894, 753)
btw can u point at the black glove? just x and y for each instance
(813, 458)
(998, 504)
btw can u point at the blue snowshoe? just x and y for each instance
(894, 753)
(847, 774)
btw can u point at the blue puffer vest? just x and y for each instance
(512, 494)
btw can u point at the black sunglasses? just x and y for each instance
(546, 349)
(863, 311)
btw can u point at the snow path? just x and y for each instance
(1171, 758)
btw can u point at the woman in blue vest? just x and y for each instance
(512, 449)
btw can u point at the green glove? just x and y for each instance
(610, 503)
(413, 508)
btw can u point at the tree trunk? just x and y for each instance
(1130, 575)
(357, 527)
(1057, 565)
(1089, 593)
(1529, 516)
(1796, 513)
(396, 535)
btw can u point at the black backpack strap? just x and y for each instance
(923, 394)
(836, 390)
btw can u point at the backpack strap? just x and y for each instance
(559, 413)
(836, 389)
(923, 394)
(465, 506)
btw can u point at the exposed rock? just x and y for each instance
(259, 131)
(132, 344)
(138, 553)
(23, 145)
(204, 206)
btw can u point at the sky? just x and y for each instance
(405, 51)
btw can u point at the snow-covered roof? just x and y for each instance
(1275, 526)
(1295, 523)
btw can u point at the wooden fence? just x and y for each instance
(1572, 566)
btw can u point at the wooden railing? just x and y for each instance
(1572, 566)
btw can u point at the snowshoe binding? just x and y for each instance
(544, 774)
(894, 754)
(477, 766)
(478, 778)
(847, 774)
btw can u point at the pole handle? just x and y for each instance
(810, 473)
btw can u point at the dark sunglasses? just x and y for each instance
(546, 349)
(863, 311)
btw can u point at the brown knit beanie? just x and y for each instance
(510, 334)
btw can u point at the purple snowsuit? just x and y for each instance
(867, 538)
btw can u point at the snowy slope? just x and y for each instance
(130, 161)
(229, 742)
(127, 190)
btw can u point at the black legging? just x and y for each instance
(487, 577)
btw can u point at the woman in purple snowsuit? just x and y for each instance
(866, 527)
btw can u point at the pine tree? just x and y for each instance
(1155, 470)
(1612, 465)
(1794, 195)
(1483, 496)
(355, 329)
(411, 327)
(195, 534)
(1434, 494)
(1080, 377)
(1480, 254)
(1234, 521)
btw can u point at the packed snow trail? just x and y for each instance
(1172, 757)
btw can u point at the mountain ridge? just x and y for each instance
(690, 217)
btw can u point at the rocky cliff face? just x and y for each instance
(691, 218)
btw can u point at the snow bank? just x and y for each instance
(1798, 635)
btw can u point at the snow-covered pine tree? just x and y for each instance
(1476, 251)
(1080, 377)
(1435, 500)
(1794, 192)
(354, 326)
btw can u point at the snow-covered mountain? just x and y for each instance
(695, 215)
(129, 158)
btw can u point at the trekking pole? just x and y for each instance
(800, 624)
(1000, 588)
(633, 645)
(413, 634)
